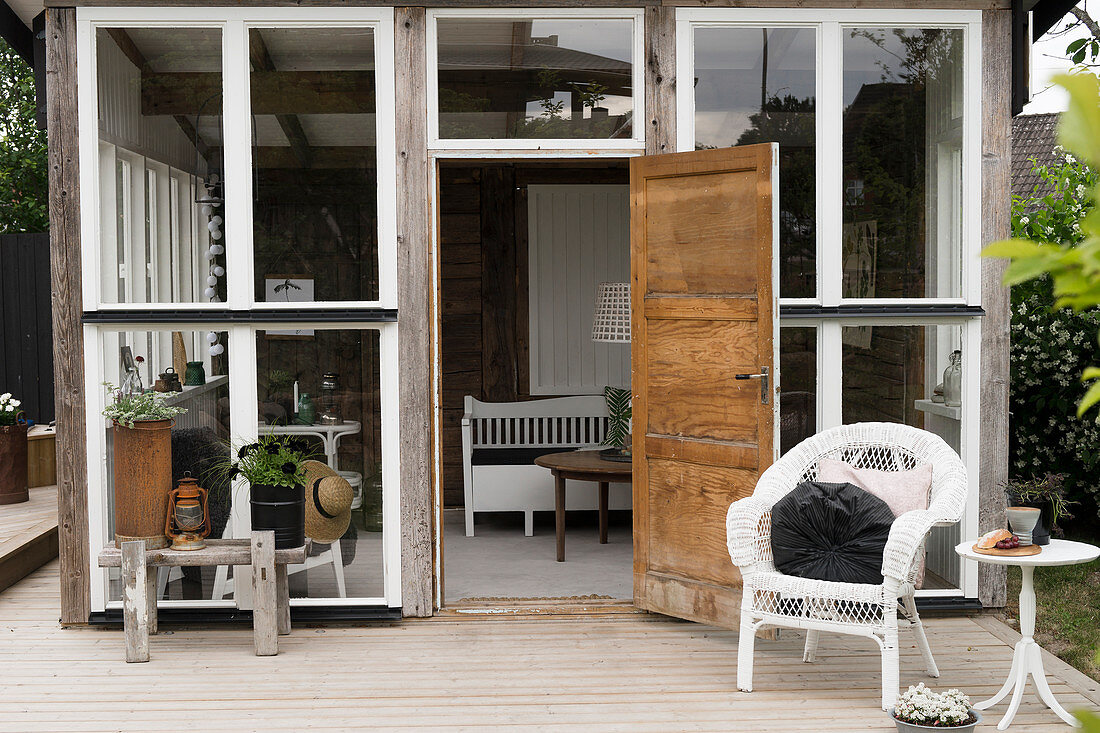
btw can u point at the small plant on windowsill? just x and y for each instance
(920, 708)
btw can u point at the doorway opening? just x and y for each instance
(522, 249)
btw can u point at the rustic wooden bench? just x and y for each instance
(270, 592)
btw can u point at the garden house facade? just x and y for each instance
(423, 202)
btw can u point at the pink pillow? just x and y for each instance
(903, 491)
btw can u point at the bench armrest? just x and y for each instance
(748, 534)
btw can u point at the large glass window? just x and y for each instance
(902, 140)
(535, 78)
(315, 211)
(797, 386)
(757, 85)
(161, 166)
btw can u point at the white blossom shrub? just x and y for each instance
(921, 705)
(1050, 348)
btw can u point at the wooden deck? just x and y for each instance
(28, 535)
(635, 673)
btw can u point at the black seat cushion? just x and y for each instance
(509, 456)
(830, 532)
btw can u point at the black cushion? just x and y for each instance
(509, 456)
(830, 532)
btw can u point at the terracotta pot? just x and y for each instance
(143, 478)
(13, 464)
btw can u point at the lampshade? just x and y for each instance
(611, 322)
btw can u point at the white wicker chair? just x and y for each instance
(772, 599)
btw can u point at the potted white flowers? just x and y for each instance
(921, 708)
(13, 451)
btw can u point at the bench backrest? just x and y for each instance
(555, 422)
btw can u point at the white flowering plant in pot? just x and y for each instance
(9, 409)
(921, 708)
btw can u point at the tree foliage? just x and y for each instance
(24, 178)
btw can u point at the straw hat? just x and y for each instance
(328, 503)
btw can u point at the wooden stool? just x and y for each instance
(270, 590)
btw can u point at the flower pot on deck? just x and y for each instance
(143, 478)
(13, 463)
(904, 727)
(281, 509)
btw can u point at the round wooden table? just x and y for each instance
(582, 465)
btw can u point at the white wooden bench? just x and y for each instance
(500, 441)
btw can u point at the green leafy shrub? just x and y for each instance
(1052, 347)
(126, 409)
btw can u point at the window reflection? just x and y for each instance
(503, 78)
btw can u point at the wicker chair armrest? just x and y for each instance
(748, 534)
(902, 551)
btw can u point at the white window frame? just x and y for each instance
(636, 142)
(99, 339)
(829, 125)
(234, 24)
(828, 25)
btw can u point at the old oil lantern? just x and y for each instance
(188, 521)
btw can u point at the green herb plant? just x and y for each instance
(127, 409)
(1046, 489)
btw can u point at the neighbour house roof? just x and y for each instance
(1034, 138)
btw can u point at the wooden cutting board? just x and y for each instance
(1021, 551)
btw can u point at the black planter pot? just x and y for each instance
(282, 509)
(1041, 534)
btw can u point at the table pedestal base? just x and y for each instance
(1027, 661)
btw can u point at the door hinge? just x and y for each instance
(763, 377)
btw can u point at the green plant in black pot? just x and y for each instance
(273, 468)
(1046, 493)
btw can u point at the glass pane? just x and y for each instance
(161, 165)
(797, 386)
(756, 85)
(512, 78)
(903, 115)
(316, 181)
(323, 385)
(893, 374)
(134, 361)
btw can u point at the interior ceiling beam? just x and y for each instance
(321, 157)
(16, 33)
(291, 125)
(130, 50)
(273, 92)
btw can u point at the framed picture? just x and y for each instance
(289, 289)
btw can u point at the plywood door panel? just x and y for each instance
(703, 242)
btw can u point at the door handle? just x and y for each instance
(763, 377)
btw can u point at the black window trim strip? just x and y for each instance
(318, 315)
(795, 311)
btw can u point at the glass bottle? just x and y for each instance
(952, 380)
(307, 412)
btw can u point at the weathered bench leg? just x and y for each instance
(152, 588)
(282, 591)
(264, 623)
(135, 605)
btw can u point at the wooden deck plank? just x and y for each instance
(28, 535)
(637, 673)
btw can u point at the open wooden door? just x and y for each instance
(703, 240)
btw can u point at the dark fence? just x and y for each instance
(26, 331)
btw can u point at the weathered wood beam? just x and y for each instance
(129, 49)
(273, 92)
(291, 125)
(660, 80)
(996, 218)
(415, 293)
(68, 335)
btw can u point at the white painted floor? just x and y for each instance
(499, 562)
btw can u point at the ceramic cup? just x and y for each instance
(1022, 520)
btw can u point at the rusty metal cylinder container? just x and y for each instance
(143, 478)
(13, 464)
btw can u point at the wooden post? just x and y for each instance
(282, 592)
(996, 219)
(660, 79)
(264, 614)
(135, 601)
(68, 338)
(413, 299)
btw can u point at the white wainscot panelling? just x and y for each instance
(578, 237)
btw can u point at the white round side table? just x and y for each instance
(1027, 657)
